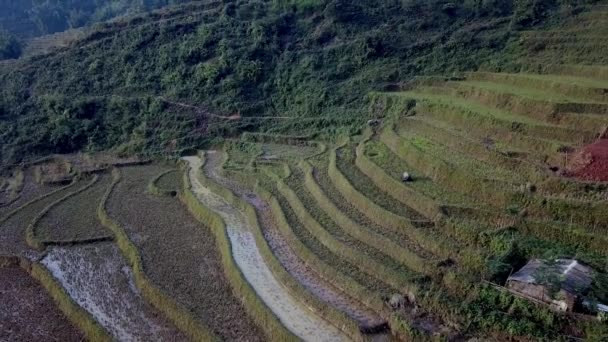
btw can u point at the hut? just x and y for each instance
(560, 283)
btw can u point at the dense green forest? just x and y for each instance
(312, 61)
(29, 18)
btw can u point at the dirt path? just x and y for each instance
(98, 279)
(368, 320)
(299, 320)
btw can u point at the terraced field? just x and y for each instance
(283, 240)
(407, 230)
(493, 160)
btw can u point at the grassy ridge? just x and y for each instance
(155, 188)
(392, 249)
(333, 272)
(30, 232)
(427, 206)
(432, 242)
(365, 263)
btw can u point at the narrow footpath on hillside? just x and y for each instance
(299, 320)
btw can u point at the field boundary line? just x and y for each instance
(343, 282)
(34, 200)
(154, 189)
(407, 196)
(373, 239)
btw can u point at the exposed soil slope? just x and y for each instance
(591, 162)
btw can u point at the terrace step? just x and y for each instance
(596, 72)
(408, 252)
(590, 117)
(483, 150)
(571, 86)
(432, 101)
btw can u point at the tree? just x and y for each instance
(10, 47)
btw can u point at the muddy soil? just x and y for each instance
(179, 255)
(27, 313)
(292, 314)
(303, 273)
(98, 279)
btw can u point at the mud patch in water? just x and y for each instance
(98, 279)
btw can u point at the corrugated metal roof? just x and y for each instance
(575, 277)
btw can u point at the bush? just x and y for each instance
(10, 47)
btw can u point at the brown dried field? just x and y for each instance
(27, 313)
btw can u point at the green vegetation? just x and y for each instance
(10, 47)
(320, 106)
(30, 18)
(310, 60)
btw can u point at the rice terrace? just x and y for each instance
(289, 170)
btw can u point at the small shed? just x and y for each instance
(560, 283)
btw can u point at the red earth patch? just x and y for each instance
(591, 162)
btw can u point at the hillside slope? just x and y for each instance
(148, 84)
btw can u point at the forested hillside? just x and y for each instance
(29, 18)
(131, 84)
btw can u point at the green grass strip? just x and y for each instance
(262, 315)
(156, 190)
(406, 195)
(443, 172)
(435, 244)
(365, 263)
(336, 277)
(477, 117)
(387, 246)
(577, 87)
(178, 315)
(37, 199)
